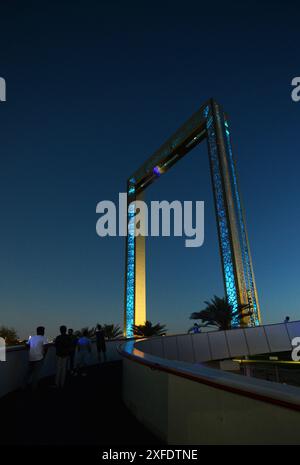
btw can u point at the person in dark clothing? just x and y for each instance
(74, 340)
(100, 342)
(63, 350)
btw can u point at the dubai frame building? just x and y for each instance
(210, 123)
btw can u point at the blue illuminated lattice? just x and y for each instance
(230, 285)
(131, 186)
(206, 111)
(130, 272)
(243, 235)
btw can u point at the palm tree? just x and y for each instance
(148, 329)
(218, 312)
(112, 331)
(10, 335)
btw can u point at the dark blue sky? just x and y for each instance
(93, 88)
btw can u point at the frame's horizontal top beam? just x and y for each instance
(182, 141)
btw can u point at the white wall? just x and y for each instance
(182, 411)
(13, 371)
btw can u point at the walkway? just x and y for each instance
(89, 411)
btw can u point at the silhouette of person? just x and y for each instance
(100, 342)
(84, 347)
(37, 351)
(63, 347)
(73, 339)
(195, 329)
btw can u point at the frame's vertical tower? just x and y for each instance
(135, 289)
(248, 275)
(235, 253)
(211, 123)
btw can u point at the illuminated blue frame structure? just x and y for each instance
(210, 123)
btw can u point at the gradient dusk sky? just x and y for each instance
(93, 89)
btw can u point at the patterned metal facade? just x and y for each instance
(208, 123)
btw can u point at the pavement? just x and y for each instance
(88, 411)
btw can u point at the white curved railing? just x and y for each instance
(220, 345)
(185, 402)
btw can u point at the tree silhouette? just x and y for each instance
(148, 329)
(218, 312)
(10, 335)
